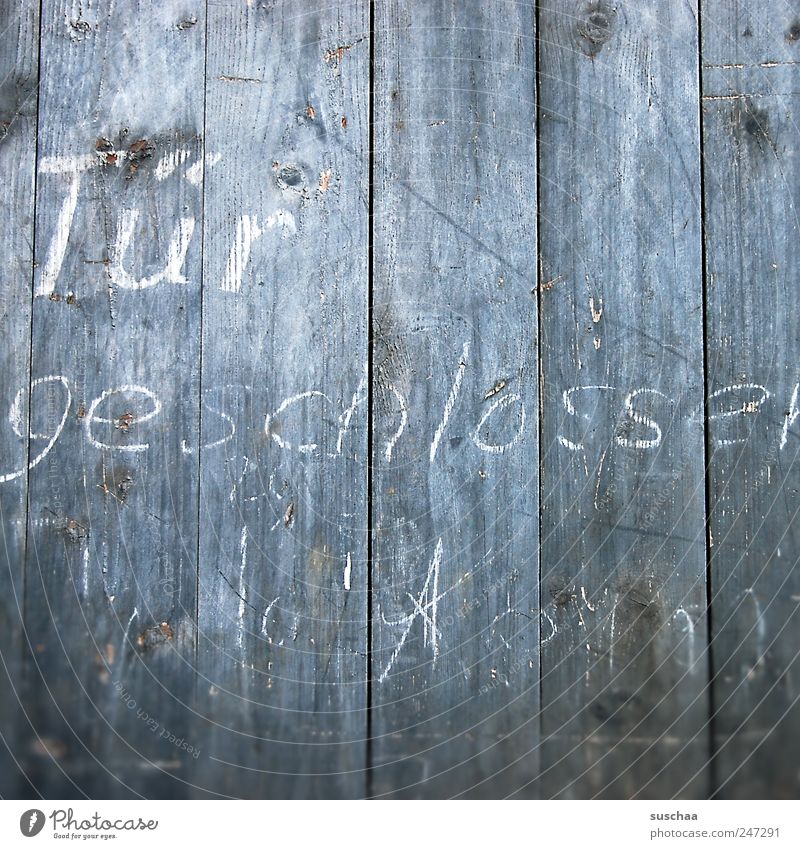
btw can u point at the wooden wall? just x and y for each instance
(399, 399)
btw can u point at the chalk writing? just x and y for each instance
(425, 607)
(724, 405)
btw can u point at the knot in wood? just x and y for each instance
(595, 26)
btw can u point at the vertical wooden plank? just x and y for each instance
(623, 557)
(19, 39)
(283, 566)
(752, 191)
(455, 455)
(111, 575)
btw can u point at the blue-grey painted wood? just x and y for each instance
(455, 666)
(751, 99)
(185, 398)
(19, 39)
(283, 546)
(112, 529)
(624, 665)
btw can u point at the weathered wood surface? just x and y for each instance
(752, 190)
(283, 565)
(455, 495)
(318, 502)
(19, 27)
(624, 666)
(112, 527)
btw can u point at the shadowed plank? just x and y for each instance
(455, 663)
(19, 32)
(624, 666)
(752, 174)
(283, 557)
(112, 528)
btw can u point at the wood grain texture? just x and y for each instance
(455, 487)
(19, 32)
(111, 571)
(283, 554)
(752, 191)
(345, 460)
(624, 665)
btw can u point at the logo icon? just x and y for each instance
(31, 822)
